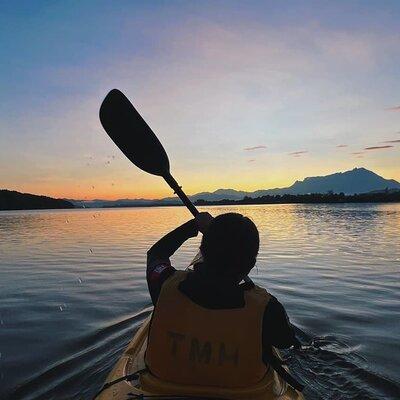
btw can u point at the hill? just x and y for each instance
(358, 180)
(12, 200)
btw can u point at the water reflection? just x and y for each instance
(72, 290)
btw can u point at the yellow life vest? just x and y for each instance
(192, 345)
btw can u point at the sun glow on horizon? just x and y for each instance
(157, 188)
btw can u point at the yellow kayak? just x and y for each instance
(129, 380)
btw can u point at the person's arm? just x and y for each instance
(167, 245)
(279, 332)
(159, 267)
(277, 329)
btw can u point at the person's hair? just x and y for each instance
(230, 245)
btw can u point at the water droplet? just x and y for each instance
(60, 308)
(112, 184)
(1, 322)
(91, 250)
(94, 215)
(67, 221)
(79, 280)
(92, 187)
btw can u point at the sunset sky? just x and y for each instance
(245, 95)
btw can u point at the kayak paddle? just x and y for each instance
(130, 132)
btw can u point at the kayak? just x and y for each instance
(129, 379)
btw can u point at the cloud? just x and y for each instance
(358, 152)
(252, 160)
(396, 108)
(342, 145)
(255, 148)
(298, 153)
(378, 147)
(392, 141)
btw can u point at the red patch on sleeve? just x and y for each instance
(158, 270)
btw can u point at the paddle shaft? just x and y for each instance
(181, 194)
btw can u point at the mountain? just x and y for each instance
(12, 200)
(357, 180)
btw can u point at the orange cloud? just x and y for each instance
(396, 108)
(255, 148)
(378, 147)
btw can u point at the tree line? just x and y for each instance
(378, 197)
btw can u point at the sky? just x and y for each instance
(244, 95)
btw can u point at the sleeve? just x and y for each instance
(277, 329)
(159, 267)
(157, 273)
(171, 242)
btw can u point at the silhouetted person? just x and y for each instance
(207, 328)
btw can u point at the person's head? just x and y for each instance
(230, 245)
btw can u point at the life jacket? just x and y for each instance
(192, 345)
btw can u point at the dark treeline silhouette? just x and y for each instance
(11, 200)
(387, 196)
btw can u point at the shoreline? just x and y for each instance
(211, 204)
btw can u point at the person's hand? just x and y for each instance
(203, 221)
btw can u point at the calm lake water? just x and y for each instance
(73, 291)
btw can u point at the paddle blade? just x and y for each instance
(132, 135)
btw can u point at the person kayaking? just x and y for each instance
(208, 328)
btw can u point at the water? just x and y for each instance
(73, 291)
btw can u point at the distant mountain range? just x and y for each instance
(358, 180)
